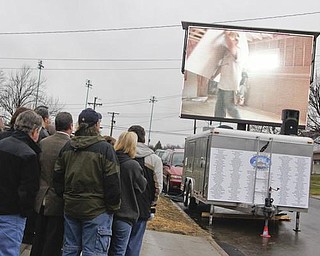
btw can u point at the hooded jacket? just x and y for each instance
(87, 174)
(19, 174)
(152, 168)
(133, 183)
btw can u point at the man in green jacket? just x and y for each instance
(87, 175)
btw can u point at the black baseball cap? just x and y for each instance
(89, 116)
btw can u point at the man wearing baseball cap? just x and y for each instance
(87, 175)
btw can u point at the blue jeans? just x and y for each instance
(120, 237)
(92, 237)
(11, 233)
(136, 237)
(225, 103)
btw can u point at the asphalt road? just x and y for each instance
(239, 237)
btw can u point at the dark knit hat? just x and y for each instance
(89, 116)
(139, 131)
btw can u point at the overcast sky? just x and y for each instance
(127, 30)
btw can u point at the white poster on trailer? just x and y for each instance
(234, 178)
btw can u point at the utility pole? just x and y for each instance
(94, 103)
(89, 86)
(152, 100)
(40, 66)
(112, 121)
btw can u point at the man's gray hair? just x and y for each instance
(28, 121)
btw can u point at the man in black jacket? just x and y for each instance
(19, 180)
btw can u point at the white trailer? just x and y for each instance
(256, 173)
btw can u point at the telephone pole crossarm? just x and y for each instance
(94, 103)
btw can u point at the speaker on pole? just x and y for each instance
(290, 122)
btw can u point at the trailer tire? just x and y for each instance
(189, 201)
(185, 195)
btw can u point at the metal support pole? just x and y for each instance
(40, 66)
(211, 214)
(297, 228)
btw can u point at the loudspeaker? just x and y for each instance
(290, 122)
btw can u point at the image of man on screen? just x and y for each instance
(230, 69)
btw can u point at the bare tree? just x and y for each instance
(314, 106)
(264, 129)
(313, 125)
(53, 105)
(20, 88)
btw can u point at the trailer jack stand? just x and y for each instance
(297, 228)
(211, 214)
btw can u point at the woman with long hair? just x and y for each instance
(133, 183)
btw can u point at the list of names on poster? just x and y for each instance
(233, 179)
(231, 176)
(291, 174)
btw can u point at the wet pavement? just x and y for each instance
(239, 237)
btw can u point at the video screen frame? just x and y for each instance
(286, 80)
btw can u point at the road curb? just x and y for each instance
(208, 236)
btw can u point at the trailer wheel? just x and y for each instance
(189, 201)
(185, 195)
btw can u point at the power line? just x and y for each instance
(159, 132)
(99, 69)
(137, 101)
(88, 30)
(152, 27)
(91, 59)
(271, 17)
(97, 60)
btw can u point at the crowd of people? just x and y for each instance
(69, 191)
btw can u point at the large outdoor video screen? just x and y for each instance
(246, 75)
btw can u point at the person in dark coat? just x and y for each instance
(31, 220)
(19, 180)
(49, 206)
(132, 183)
(44, 113)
